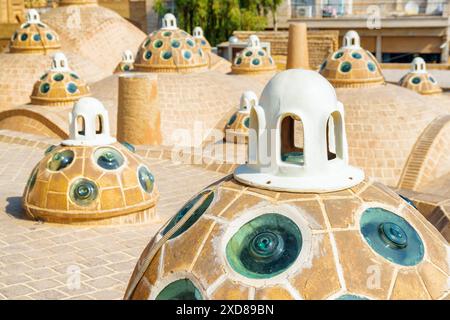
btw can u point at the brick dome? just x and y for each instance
(253, 60)
(170, 49)
(351, 65)
(60, 85)
(34, 36)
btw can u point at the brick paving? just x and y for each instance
(50, 261)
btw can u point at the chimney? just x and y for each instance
(298, 56)
(138, 115)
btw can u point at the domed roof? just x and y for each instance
(232, 241)
(90, 178)
(280, 230)
(351, 65)
(419, 80)
(201, 40)
(236, 129)
(384, 123)
(170, 49)
(253, 59)
(34, 36)
(101, 38)
(59, 86)
(127, 63)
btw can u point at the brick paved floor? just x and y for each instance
(45, 261)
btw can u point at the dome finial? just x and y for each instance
(33, 16)
(59, 62)
(127, 56)
(351, 40)
(198, 32)
(297, 140)
(169, 21)
(248, 101)
(418, 65)
(253, 41)
(89, 124)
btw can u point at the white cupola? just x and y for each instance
(248, 101)
(127, 56)
(351, 40)
(88, 124)
(60, 63)
(418, 65)
(297, 139)
(253, 42)
(169, 22)
(198, 32)
(33, 16)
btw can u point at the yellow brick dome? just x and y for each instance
(351, 65)
(90, 178)
(34, 36)
(263, 234)
(170, 49)
(59, 86)
(419, 80)
(253, 59)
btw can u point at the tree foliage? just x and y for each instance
(219, 18)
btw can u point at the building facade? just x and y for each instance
(393, 30)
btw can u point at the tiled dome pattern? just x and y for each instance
(59, 86)
(333, 260)
(419, 80)
(90, 178)
(352, 66)
(34, 36)
(170, 50)
(253, 59)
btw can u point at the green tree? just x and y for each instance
(219, 18)
(272, 6)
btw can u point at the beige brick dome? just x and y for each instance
(94, 33)
(90, 178)
(419, 80)
(351, 65)
(170, 49)
(384, 123)
(264, 234)
(34, 36)
(60, 85)
(232, 241)
(253, 60)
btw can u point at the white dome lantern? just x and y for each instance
(253, 42)
(298, 105)
(60, 63)
(418, 65)
(352, 40)
(88, 124)
(33, 16)
(198, 32)
(169, 22)
(127, 56)
(248, 101)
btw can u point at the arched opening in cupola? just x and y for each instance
(292, 139)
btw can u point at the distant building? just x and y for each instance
(11, 12)
(393, 30)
